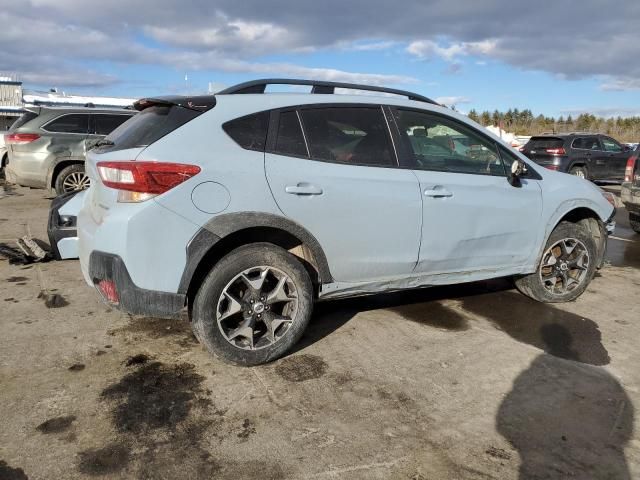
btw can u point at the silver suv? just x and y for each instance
(46, 146)
(246, 207)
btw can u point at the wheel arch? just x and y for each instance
(58, 165)
(227, 232)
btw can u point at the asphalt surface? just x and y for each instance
(465, 382)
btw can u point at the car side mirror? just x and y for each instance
(518, 170)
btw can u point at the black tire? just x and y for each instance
(61, 184)
(533, 286)
(634, 220)
(208, 300)
(580, 171)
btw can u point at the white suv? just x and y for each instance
(247, 207)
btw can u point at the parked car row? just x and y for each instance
(630, 192)
(281, 200)
(596, 157)
(46, 146)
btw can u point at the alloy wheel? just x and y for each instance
(564, 266)
(75, 181)
(257, 307)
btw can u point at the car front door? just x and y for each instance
(614, 158)
(473, 218)
(340, 180)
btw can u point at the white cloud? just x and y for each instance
(453, 100)
(451, 51)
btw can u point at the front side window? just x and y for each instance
(610, 145)
(71, 123)
(441, 144)
(352, 135)
(104, 124)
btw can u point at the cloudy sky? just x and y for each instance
(555, 57)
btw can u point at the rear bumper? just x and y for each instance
(131, 298)
(61, 228)
(630, 195)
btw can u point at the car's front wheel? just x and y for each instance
(254, 305)
(567, 266)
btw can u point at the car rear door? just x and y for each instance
(340, 180)
(614, 159)
(473, 218)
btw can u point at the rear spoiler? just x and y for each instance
(200, 103)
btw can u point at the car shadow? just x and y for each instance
(566, 419)
(525, 320)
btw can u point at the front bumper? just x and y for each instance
(131, 298)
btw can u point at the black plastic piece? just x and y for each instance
(133, 299)
(56, 228)
(320, 87)
(200, 103)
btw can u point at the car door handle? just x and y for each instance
(303, 189)
(438, 192)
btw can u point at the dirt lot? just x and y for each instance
(472, 381)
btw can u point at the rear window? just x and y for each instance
(104, 123)
(26, 117)
(544, 142)
(149, 126)
(250, 131)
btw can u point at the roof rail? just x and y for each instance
(319, 86)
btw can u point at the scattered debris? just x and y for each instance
(76, 367)
(139, 359)
(101, 461)
(32, 249)
(9, 473)
(53, 300)
(498, 453)
(299, 368)
(17, 279)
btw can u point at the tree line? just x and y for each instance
(523, 122)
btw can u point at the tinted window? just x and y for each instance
(249, 132)
(24, 118)
(610, 145)
(104, 124)
(290, 140)
(148, 126)
(356, 135)
(71, 123)
(588, 143)
(441, 144)
(544, 143)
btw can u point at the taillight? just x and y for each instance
(108, 290)
(628, 172)
(20, 138)
(144, 179)
(556, 151)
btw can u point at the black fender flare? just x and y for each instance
(224, 225)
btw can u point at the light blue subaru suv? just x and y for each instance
(246, 207)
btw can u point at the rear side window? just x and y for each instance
(353, 135)
(149, 126)
(250, 131)
(70, 123)
(544, 143)
(24, 118)
(104, 124)
(290, 140)
(586, 143)
(610, 145)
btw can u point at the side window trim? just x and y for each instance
(409, 158)
(42, 127)
(304, 134)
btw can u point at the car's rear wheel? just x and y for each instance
(634, 220)
(71, 179)
(579, 171)
(567, 266)
(254, 305)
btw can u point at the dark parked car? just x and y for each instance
(46, 146)
(630, 192)
(595, 157)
